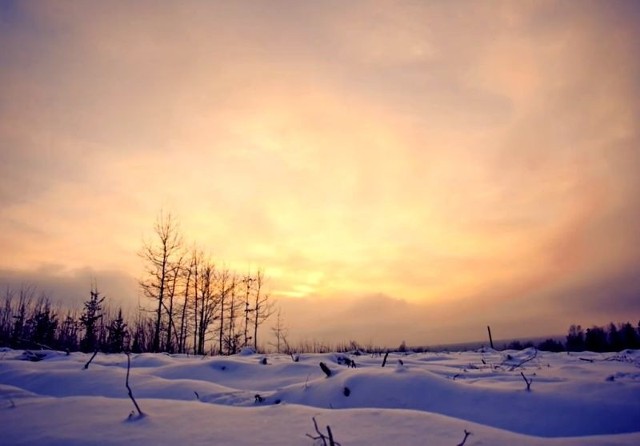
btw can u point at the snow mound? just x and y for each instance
(585, 398)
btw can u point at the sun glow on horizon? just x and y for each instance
(435, 153)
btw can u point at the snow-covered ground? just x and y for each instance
(416, 399)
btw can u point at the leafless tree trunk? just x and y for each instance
(248, 280)
(182, 338)
(231, 338)
(196, 260)
(279, 331)
(209, 299)
(225, 290)
(173, 282)
(160, 260)
(262, 306)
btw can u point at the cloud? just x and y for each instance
(434, 152)
(69, 289)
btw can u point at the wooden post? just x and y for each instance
(490, 338)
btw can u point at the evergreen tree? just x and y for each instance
(44, 324)
(630, 338)
(89, 320)
(118, 334)
(575, 339)
(551, 345)
(68, 333)
(595, 340)
(614, 338)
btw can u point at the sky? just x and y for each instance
(400, 170)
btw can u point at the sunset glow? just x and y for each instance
(453, 163)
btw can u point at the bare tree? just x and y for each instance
(262, 306)
(232, 337)
(161, 258)
(6, 318)
(280, 331)
(19, 330)
(196, 266)
(208, 303)
(173, 279)
(248, 282)
(187, 274)
(226, 284)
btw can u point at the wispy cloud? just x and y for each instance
(437, 152)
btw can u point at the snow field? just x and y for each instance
(431, 398)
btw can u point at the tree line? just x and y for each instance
(197, 307)
(197, 303)
(29, 320)
(610, 338)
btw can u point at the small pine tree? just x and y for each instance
(92, 313)
(118, 334)
(44, 324)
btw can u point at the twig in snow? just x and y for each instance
(197, 396)
(384, 361)
(86, 366)
(42, 346)
(528, 381)
(126, 383)
(325, 369)
(586, 359)
(327, 440)
(12, 404)
(466, 435)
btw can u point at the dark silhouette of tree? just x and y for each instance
(43, 323)
(232, 338)
(575, 339)
(551, 345)
(118, 334)
(248, 282)
(630, 339)
(226, 283)
(614, 338)
(89, 320)
(68, 332)
(262, 306)
(6, 318)
(209, 300)
(187, 273)
(280, 332)
(20, 329)
(595, 340)
(162, 265)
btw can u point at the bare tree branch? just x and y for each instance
(140, 414)
(327, 440)
(464, 440)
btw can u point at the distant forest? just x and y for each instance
(32, 321)
(28, 321)
(612, 338)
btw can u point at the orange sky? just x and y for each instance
(449, 164)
